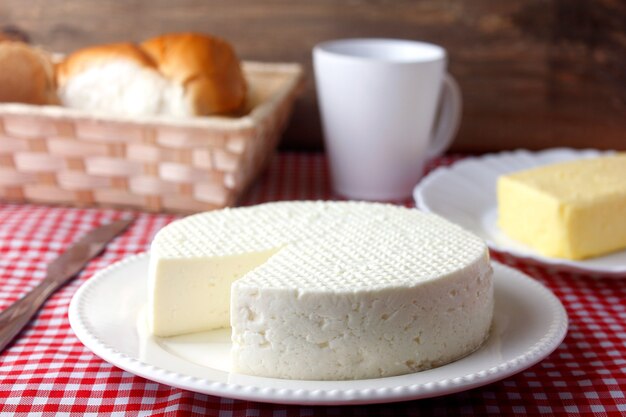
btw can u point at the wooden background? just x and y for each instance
(534, 73)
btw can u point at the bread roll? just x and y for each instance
(101, 55)
(205, 65)
(118, 79)
(26, 74)
(177, 75)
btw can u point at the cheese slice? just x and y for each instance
(324, 290)
(572, 210)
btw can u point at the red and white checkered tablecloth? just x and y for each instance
(47, 371)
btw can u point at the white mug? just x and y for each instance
(378, 102)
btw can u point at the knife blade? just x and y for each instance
(58, 272)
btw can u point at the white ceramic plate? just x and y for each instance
(107, 315)
(465, 193)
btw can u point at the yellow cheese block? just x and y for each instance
(572, 210)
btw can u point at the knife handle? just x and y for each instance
(14, 318)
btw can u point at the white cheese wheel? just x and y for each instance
(324, 290)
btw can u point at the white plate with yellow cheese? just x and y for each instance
(465, 193)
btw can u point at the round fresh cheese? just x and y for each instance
(324, 290)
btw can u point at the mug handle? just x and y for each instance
(449, 118)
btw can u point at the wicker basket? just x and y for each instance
(50, 154)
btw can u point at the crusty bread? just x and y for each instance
(26, 74)
(177, 75)
(118, 79)
(205, 65)
(99, 55)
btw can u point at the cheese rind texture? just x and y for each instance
(325, 290)
(572, 210)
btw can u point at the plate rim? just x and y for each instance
(301, 396)
(561, 264)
